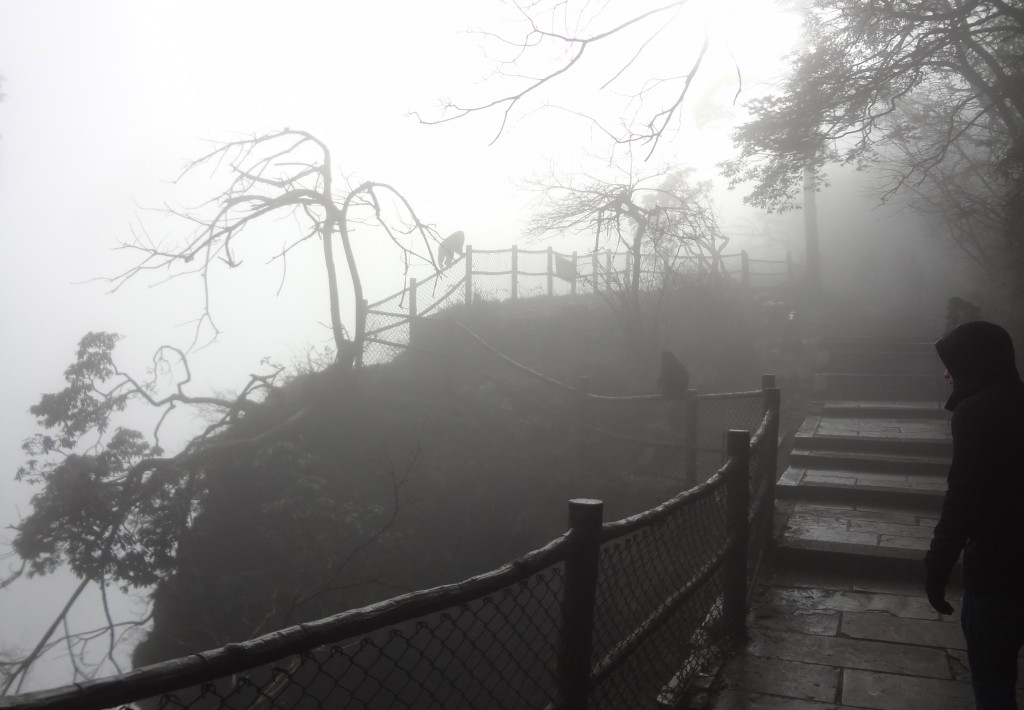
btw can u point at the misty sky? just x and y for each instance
(104, 101)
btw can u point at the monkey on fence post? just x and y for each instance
(674, 379)
(451, 245)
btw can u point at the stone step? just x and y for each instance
(838, 459)
(875, 345)
(916, 388)
(884, 410)
(930, 448)
(849, 487)
(878, 363)
(862, 536)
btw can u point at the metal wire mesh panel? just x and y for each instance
(492, 280)
(387, 329)
(497, 651)
(453, 294)
(716, 415)
(659, 603)
(532, 276)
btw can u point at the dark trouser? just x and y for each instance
(994, 629)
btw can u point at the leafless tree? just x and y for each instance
(560, 37)
(664, 223)
(280, 174)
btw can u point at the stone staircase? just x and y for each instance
(867, 470)
(840, 621)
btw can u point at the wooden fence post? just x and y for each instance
(469, 275)
(412, 300)
(515, 272)
(551, 272)
(608, 269)
(738, 497)
(594, 270)
(690, 409)
(575, 272)
(581, 567)
(745, 268)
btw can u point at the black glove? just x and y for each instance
(937, 598)
(935, 578)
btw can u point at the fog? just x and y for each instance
(105, 100)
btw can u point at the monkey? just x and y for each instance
(450, 246)
(674, 379)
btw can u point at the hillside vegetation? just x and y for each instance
(429, 469)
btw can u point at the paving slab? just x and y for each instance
(804, 681)
(790, 601)
(732, 699)
(890, 650)
(888, 691)
(914, 632)
(850, 653)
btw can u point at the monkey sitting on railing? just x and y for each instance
(674, 379)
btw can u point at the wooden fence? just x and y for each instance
(515, 273)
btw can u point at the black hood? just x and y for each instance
(977, 355)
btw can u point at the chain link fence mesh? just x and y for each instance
(497, 651)
(642, 589)
(717, 413)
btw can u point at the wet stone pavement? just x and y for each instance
(839, 619)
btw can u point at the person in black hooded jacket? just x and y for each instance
(983, 511)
